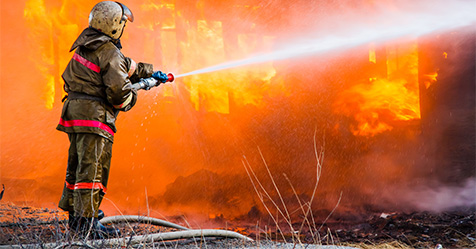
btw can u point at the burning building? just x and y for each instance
(391, 123)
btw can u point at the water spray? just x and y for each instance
(388, 26)
(393, 26)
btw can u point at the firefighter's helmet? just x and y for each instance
(110, 18)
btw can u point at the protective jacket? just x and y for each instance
(98, 80)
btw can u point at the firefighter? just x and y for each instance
(98, 81)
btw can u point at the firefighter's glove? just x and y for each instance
(161, 77)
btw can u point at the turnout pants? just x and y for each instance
(89, 159)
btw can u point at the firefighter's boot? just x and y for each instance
(107, 231)
(92, 228)
(72, 222)
(87, 228)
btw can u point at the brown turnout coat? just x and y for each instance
(99, 71)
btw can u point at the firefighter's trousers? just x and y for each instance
(89, 159)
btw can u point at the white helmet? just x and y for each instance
(110, 18)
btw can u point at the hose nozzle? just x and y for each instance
(170, 77)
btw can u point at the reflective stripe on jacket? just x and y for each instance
(98, 69)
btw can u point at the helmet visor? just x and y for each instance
(126, 13)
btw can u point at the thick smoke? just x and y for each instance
(438, 197)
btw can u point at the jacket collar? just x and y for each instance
(92, 39)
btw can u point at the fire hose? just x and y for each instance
(148, 83)
(141, 219)
(185, 233)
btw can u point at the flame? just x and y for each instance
(372, 55)
(163, 15)
(213, 92)
(34, 13)
(430, 79)
(51, 30)
(377, 104)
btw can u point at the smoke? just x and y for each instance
(438, 197)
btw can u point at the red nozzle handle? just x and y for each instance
(170, 77)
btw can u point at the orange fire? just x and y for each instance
(213, 92)
(181, 148)
(431, 78)
(52, 28)
(377, 104)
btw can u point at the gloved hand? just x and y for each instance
(161, 77)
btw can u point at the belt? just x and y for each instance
(77, 95)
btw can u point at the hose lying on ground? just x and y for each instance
(139, 239)
(150, 238)
(141, 219)
(158, 237)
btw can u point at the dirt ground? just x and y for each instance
(456, 229)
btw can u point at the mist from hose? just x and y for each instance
(399, 25)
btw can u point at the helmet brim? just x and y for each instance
(126, 13)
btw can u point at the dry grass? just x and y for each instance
(27, 225)
(278, 210)
(388, 245)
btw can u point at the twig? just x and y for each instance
(275, 187)
(319, 160)
(328, 216)
(260, 196)
(80, 244)
(301, 207)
